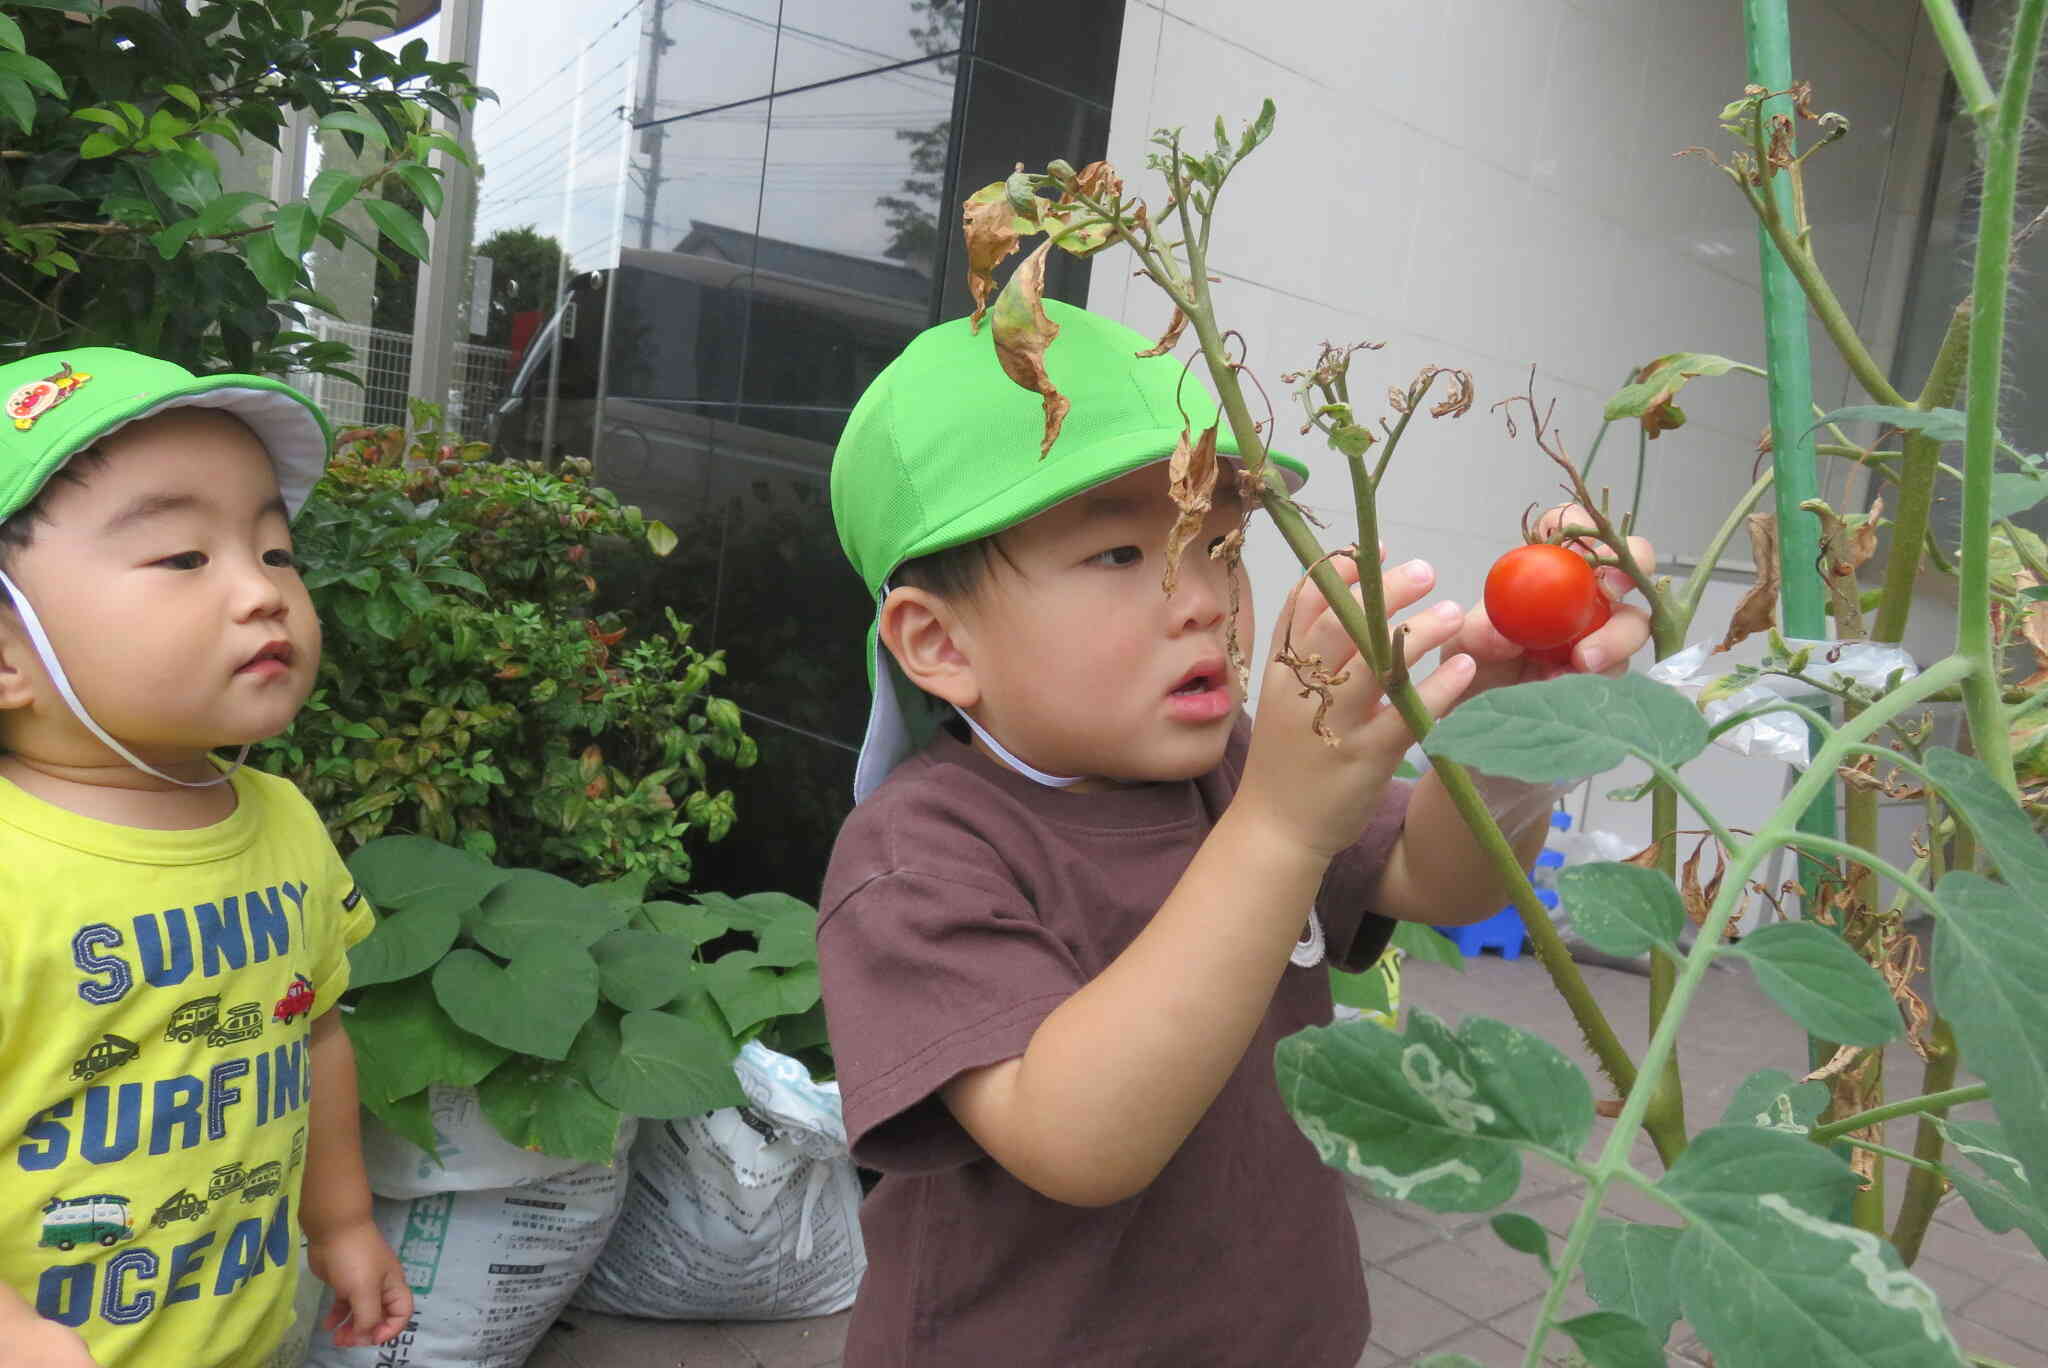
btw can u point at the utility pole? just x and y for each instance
(651, 139)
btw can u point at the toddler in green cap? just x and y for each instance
(1061, 934)
(177, 1096)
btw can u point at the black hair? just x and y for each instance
(17, 531)
(958, 572)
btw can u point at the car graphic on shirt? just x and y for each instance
(101, 1218)
(263, 1180)
(226, 1179)
(194, 1018)
(297, 1000)
(109, 1052)
(181, 1205)
(244, 1021)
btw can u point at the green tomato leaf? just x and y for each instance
(400, 227)
(1660, 381)
(550, 1108)
(1821, 983)
(1570, 728)
(534, 1005)
(1629, 1269)
(405, 1043)
(1524, 1235)
(1990, 961)
(1608, 1339)
(642, 970)
(1430, 1116)
(1621, 909)
(1940, 424)
(666, 1066)
(2013, 493)
(1775, 1100)
(2001, 827)
(2002, 1198)
(1368, 991)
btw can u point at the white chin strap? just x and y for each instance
(48, 655)
(1036, 776)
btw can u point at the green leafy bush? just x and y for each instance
(567, 1008)
(468, 693)
(117, 223)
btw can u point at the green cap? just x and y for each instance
(59, 402)
(943, 449)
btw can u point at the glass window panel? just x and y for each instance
(823, 40)
(849, 227)
(704, 53)
(1012, 119)
(1071, 44)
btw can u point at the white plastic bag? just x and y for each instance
(1780, 734)
(748, 1213)
(491, 1262)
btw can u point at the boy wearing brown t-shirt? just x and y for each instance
(1060, 941)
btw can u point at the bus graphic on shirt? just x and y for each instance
(99, 1219)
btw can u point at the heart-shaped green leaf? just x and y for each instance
(531, 1006)
(397, 871)
(404, 1042)
(642, 970)
(551, 1109)
(664, 1066)
(407, 942)
(531, 911)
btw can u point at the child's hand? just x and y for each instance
(39, 1343)
(372, 1302)
(1605, 650)
(1322, 795)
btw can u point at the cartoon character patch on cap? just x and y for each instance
(38, 397)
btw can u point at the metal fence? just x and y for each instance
(383, 358)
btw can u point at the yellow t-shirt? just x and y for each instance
(157, 994)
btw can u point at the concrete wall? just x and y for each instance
(1485, 184)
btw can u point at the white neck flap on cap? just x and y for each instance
(48, 655)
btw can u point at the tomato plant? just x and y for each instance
(1544, 599)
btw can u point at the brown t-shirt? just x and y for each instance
(963, 904)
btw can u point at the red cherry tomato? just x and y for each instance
(1544, 599)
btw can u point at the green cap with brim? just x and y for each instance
(57, 403)
(943, 449)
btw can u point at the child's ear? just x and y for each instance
(17, 657)
(927, 637)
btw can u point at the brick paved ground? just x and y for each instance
(1446, 1283)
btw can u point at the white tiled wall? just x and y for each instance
(1490, 183)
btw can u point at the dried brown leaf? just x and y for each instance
(1100, 182)
(1609, 1107)
(1845, 1056)
(1169, 339)
(989, 224)
(1779, 153)
(1759, 607)
(1458, 402)
(1023, 332)
(1802, 99)
(1191, 476)
(1696, 900)
(1648, 856)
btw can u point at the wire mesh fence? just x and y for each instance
(383, 358)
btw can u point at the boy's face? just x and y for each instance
(166, 583)
(1083, 665)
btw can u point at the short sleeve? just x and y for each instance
(925, 977)
(338, 916)
(1357, 934)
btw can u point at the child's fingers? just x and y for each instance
(1443, 687)
(397, 1309)
(1607, 649)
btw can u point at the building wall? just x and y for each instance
(1489, 185)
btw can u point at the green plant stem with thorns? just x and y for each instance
(1781, 830)
(1367, 628)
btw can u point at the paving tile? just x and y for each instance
(1385, 1234)
(1406, 1319)
(1516, 1322)
(1953, 1286)
(591, 1340)
(1472, 1278)
(1978, 1339)
(1495, 1351)
(1376, 1357)
(811, 1342)
(2012, 1316)
(2029, 1280)
(1977, 1251)
(549, 1354)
